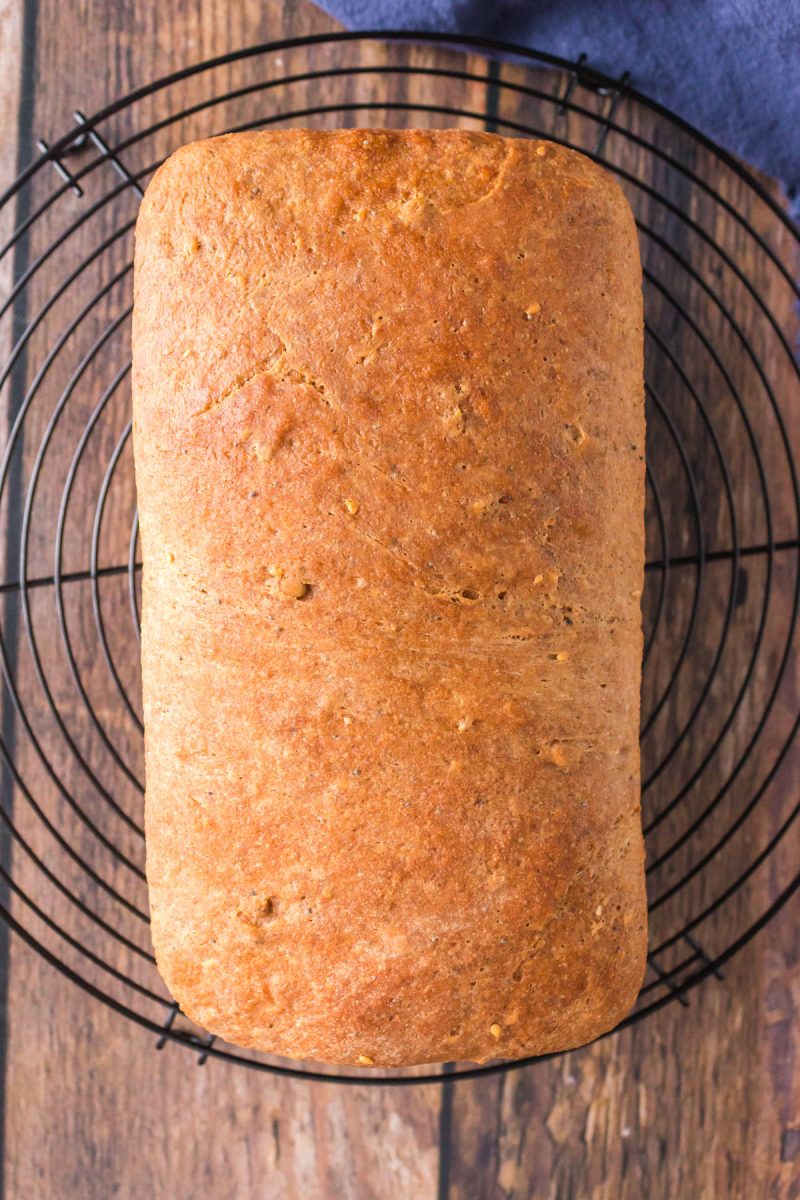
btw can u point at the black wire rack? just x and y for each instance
(720, 704)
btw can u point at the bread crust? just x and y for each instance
(389, 442)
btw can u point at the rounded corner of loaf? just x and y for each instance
(606, 190)
(179, 174)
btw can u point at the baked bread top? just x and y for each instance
(389, 440)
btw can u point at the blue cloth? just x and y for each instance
(730, 67)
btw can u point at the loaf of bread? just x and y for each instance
(389, 441)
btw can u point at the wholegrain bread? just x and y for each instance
(389, 440)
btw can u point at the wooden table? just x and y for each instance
(699, 1107)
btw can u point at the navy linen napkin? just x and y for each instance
(730, 67)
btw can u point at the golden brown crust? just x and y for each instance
(389, 434)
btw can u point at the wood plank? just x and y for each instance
(13, 112)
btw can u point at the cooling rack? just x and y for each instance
(720, 696)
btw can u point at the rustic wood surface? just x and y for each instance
(702, 1106)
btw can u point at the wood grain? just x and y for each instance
(700, 1104)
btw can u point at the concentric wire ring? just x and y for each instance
(723, 578)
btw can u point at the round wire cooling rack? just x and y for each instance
(720, 696)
